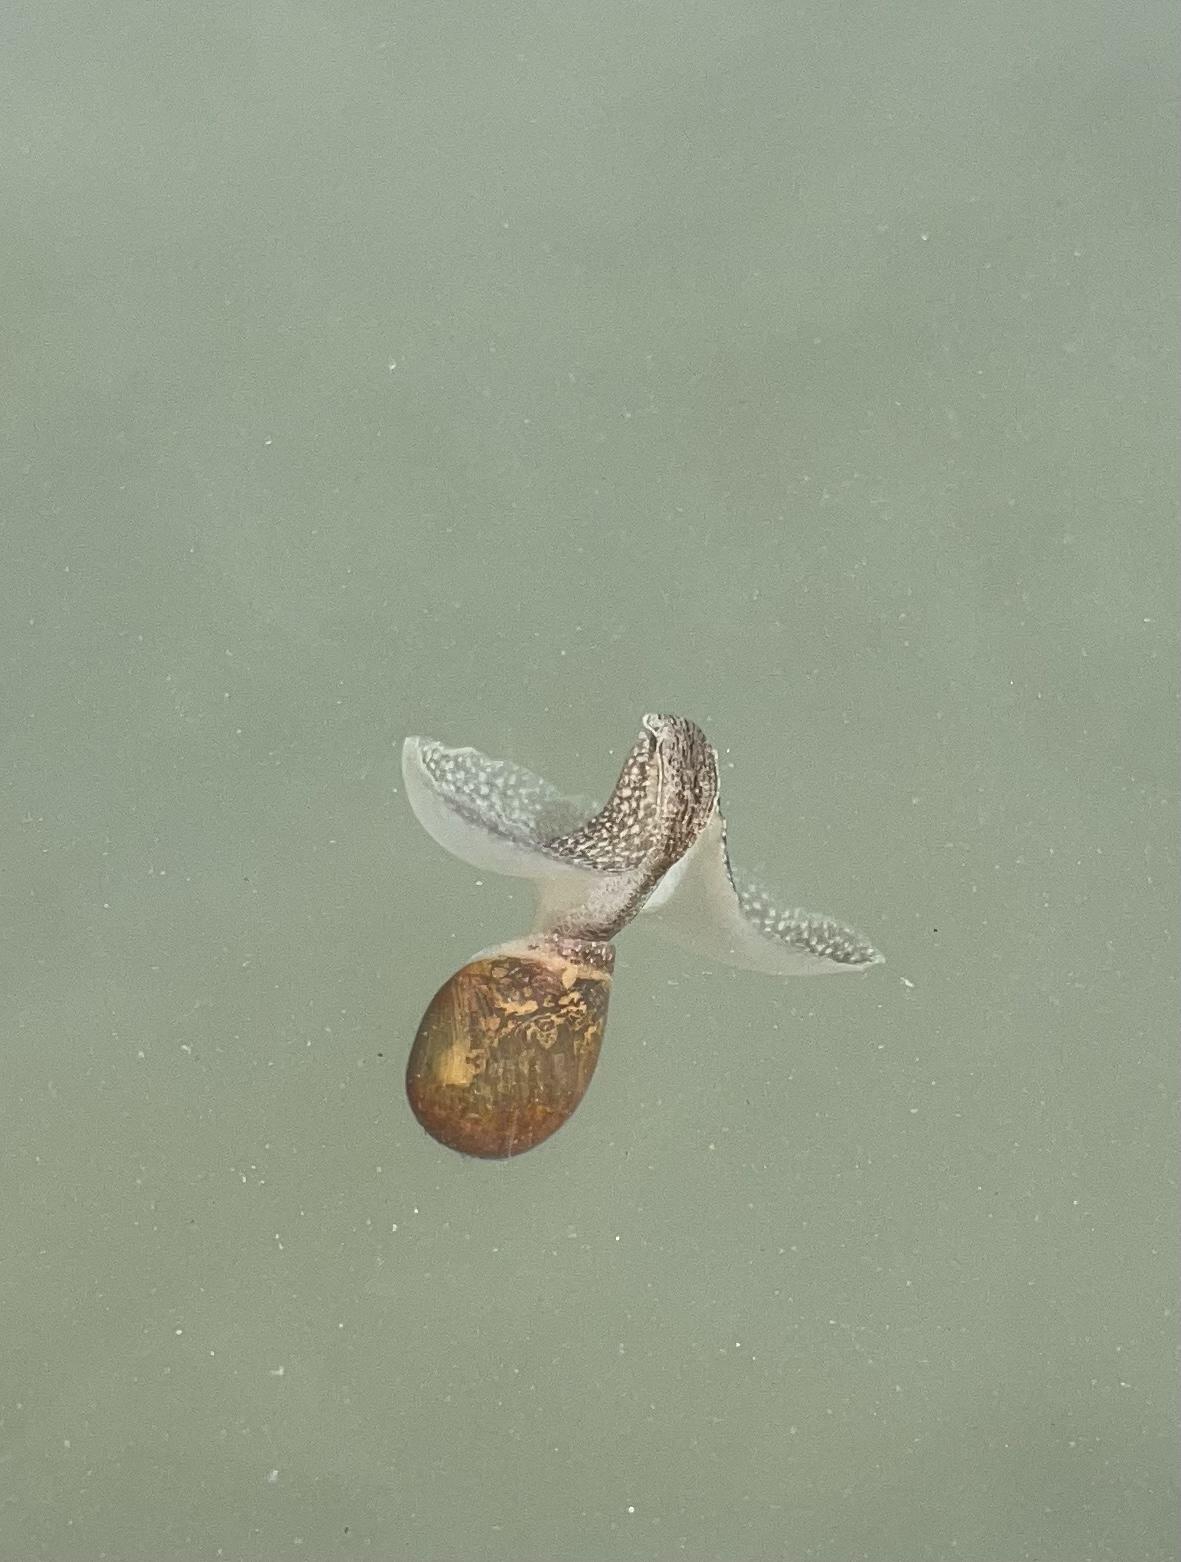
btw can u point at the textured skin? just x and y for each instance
(666, 798)
(506, 1050)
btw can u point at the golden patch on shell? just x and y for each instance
(506, 1050)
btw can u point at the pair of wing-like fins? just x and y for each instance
(501, 818)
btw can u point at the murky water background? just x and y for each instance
(502, 374)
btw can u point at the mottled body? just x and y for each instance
(506, 1050)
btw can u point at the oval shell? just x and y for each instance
(508, 1045)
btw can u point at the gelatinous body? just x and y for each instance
(506, 1050)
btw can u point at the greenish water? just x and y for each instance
(502, 374)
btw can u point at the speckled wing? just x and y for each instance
(497, 817)
(502, 818)
(489, 813)
(702, 905)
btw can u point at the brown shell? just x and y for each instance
(506, 1050)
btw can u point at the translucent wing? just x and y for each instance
(501, 818)
(592, 873)
(702, 905)
(490, 813)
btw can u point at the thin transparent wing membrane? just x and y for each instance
(490, 813)
(704, 906)
(658, 844)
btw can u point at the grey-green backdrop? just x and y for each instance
(502, 373)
